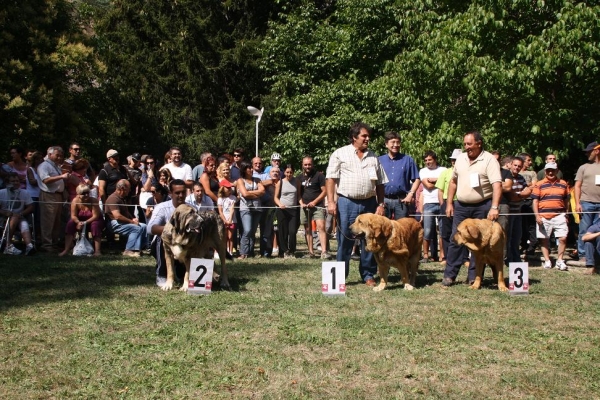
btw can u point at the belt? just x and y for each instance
(395, 196)
(52, 192)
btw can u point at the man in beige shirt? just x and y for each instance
(477, 183)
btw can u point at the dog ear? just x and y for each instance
(473, 231)
(175, 221)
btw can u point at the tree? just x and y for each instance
(524, 73)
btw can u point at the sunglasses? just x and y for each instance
(76, 149)
(237, 155)
(150, 162)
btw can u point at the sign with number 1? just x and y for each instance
(201, 274)
(518, 278)
(333, 282)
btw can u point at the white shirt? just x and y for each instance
(206, 205)
(430, 196)
(14, 201)
(183, 172)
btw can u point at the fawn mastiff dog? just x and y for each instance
(486, 241)
(393, 243)
(191, 234)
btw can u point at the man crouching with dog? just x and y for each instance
(477, 183)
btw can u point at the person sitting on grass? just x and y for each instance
(85, 211)
(15, 204)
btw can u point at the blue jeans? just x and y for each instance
(430, 216)
(137, 238)
(513, 238)
(250, 220)
(592, 249)
(454, 258)
(585, 222)
(395, 208)
(348, 210)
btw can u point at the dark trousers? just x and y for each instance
(446, 235)
(287, 227)
(455, 256)
(161, 264)
(529, 226)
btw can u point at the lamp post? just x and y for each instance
(257, 113)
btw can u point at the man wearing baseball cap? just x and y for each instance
(111, 173)
(550, 207)
(587, 193)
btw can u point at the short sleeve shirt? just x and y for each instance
(485, 171)
(114, 202)
(356, 177)
(311, 187)
(183, 172)
(586, 174)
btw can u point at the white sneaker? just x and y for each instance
(547, 264)
(12, 250)
(29, 249)
(275, 252)
(560, 264)
(216, 256)
(160, 281)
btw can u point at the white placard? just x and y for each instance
(597, 179)
(333, 282)
(518, 278)
(474, 179)
(201, 275)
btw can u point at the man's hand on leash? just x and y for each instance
(493, 214)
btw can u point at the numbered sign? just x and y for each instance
(518, 278)
(201, 274)
(333, 281)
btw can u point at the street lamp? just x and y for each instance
(257, 113)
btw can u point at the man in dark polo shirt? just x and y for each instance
(477, 184)
(312, 202)
(123, 222)
(403, 175)
(111, 173)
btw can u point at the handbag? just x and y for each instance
(83, 247)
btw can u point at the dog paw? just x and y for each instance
(167, 286)
(378, 288)
(474, 287)
(408, 287)
(224, 285)
(183, 288)
(503, 288)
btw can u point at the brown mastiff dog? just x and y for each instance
(393, 243)
(486, 241)
(192, 234)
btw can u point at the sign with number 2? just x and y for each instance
(201, 274)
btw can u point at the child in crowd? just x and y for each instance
(226, 204)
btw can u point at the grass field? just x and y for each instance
(99, 328)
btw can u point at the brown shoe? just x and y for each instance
(131, 253)
(370, 282)
(591, 271)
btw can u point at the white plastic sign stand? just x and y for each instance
(201, 274)
(333, 282)
(518, 278)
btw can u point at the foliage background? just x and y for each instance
(142, 75)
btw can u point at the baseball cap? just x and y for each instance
(551, 165)
(225, 183)
(136, 156)
(455, 154)
(275, 156)
(111, 153)
(591, 146)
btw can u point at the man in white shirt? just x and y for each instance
(179, 169)
(431, 206)
(199, 199)
(15, 205)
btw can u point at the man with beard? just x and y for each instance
(312, 206)
(357, 175)
(179, 169)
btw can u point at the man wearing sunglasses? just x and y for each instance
(238, 157)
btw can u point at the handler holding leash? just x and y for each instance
(160, 216)
(360, 178)
(478, 187)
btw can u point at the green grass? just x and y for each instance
(99, 328)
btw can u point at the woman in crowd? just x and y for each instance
(165, 178)
(250, 190)
(286, 198)
(18, 164)
(78, 176)
(209, 180)
(85, 210)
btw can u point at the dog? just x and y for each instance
(486, 240)
(393, 243)
(191, 234)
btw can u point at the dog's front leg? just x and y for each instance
(384, 270)
(479, 266)
(170, 270)
(186, 277)
(500, 272)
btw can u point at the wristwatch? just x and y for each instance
(494, 207)
(381, 205)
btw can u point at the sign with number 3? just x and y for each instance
(518, 278)
(201, 275)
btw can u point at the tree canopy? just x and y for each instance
(145, 74)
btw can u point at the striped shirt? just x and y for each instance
(356, 177)
(551, 197)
